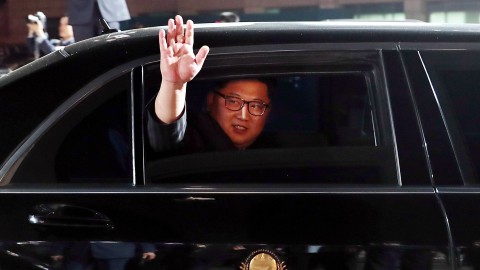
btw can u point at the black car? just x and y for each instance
(374, 165)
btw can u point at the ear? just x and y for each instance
(210, 97)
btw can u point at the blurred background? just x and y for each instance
(145, 13)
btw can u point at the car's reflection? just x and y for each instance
(85, 255)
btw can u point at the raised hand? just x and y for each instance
(36, 29)
(178, 63)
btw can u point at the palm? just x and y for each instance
(178, 63)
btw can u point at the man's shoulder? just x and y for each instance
(200, 119)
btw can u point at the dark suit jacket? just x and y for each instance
(81, 251)
(45, 47)
(102, 250)
(199, 133)
(82, 11)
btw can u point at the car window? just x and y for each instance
(452, 75)
(323, 127)
(90, 144)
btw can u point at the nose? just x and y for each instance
(244, 112)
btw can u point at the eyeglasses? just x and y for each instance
(256, 108)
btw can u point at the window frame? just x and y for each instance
(16, 159)
(232, 62)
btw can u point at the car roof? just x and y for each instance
(241, 34)
(114, 49)
(264, 33)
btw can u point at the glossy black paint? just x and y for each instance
(322, 215)
(439, 150)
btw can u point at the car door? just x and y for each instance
(345, 186)
(452, 90)
(57, 181)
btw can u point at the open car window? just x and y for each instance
(323, 127)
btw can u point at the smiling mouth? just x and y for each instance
(238, 127)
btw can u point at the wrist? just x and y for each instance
(176, 87)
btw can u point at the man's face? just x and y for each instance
(65, 30)
(240, 126)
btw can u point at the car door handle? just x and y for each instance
(63, 215)
(195, 199)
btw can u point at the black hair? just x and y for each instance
(220, 84)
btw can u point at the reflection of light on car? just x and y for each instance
(41, 266)
(115, 37)
(34, 243)
(12, 253)
(33, 219)
(198, 188)
(4, 71)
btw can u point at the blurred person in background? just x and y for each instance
(227, 17)
(37, 25)
(101, 255)
(85, 15)
(37, 39)
(65, 34)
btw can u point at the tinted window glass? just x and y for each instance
(453, 76)
(322, 128)
(90, 144)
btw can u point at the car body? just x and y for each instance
(375, 162)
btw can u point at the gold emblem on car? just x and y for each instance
(263, 259)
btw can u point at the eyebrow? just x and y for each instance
(238, 96)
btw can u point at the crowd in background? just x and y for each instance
(81, 21)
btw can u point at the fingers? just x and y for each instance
(179, 29)
(189, 33)
(164, 49)
(171, 31)
(176, 32)
(201, 56)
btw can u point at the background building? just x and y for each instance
(155, 12)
